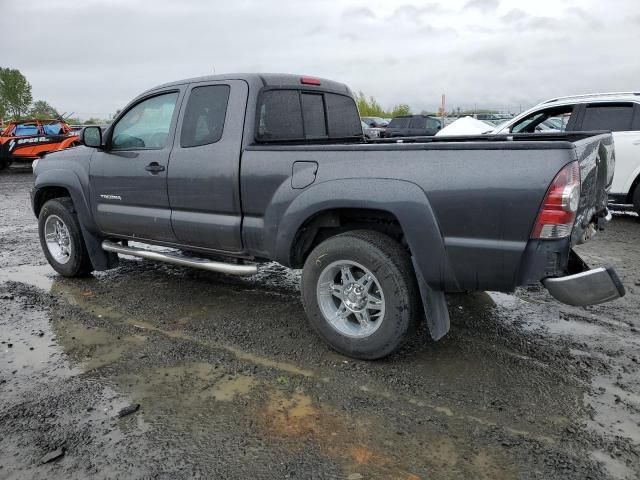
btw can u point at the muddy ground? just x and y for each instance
(231, 382)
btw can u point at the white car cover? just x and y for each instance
(465, 126)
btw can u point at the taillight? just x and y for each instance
(560, 205)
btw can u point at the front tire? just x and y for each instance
(360, 294)
(61, 238)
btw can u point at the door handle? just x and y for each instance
(154, 167)
(637, 142)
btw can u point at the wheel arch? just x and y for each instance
(402, 207)
(58, 183)
(333, 221)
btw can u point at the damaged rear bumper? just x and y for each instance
(587, 287)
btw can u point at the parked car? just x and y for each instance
(616, 112)
(371, 132)
(27, 140)
(381, 231)
(375, 122)
(413, 126)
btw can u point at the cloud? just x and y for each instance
(431, 31)
(522, 21)
(318, 30)
(358, 13)
(485, 6)
(352, 37)
(493, 57)
(515, 15)
(484, 52)
(581, 14)
(414, 13)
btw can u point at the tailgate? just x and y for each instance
(596, 158)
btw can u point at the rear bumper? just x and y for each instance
(589, 287)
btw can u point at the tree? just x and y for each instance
(369, 107)
(402, 109)
(41, 109)
(15, 92)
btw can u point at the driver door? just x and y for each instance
(129, 176)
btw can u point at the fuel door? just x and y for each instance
(303, 174)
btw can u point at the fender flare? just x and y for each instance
(403, 199)
(70, 181)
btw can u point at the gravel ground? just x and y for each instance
(155, 371)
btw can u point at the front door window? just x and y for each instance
(146, 125)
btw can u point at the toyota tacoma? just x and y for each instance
(226, 172)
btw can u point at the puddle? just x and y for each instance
(87, 300)
(226, 390)
(40, 276)
(193, 386)
(93, 347)
(34, 356)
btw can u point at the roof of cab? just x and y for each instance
(263, 80)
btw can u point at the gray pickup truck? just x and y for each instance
(226, 172)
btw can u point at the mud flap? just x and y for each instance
(435, 306)
(100, 259)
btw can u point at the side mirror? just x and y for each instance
(91, 137)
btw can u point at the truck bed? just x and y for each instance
(474, 212)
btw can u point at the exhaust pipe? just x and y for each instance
(177, 259)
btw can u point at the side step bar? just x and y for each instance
(177, 259)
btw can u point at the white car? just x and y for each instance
(617, 112)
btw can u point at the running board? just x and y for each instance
(177, 259)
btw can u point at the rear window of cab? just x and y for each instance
(298, 115)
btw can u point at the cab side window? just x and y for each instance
(616, 117)
(204, 116)
(551, 120)
(146, 125)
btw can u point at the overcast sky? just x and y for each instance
(92, 56)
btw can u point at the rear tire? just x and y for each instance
(3, 164)
(360, 294)
(61, 238)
